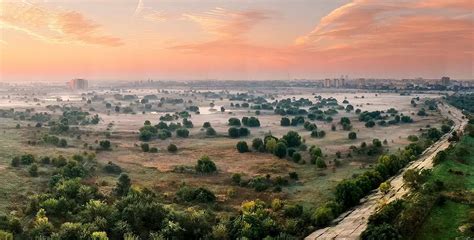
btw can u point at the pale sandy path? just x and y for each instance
(352, 223)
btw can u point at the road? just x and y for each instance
(352, 223)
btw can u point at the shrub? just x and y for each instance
(112, 168)
(320, 163)
(33, 170)
(296, 157)
(280, 150)
(258, 145)
(15, 161)
(234, 122)
(236, 178)
(322, 216)
(292, 138)
(154, 150)
(172, 148)
(105, 144)
(285, 122)
(206, 125)
(145, 147)
(205, 165)
(243, 132)
(233, 132)
(27, 159)
(370, 124)
(352, 135)
(242, 147)
(182, 133)
(210, 131)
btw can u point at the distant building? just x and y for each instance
(445, 81)
(327, 83)
(78, 84)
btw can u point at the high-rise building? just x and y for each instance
(445, 81)
(327, 83)
(78, 84)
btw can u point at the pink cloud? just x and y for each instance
(227, 24)
(56, 26)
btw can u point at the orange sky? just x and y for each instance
(235, 39)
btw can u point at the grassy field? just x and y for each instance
(445, 220)
(154, 170)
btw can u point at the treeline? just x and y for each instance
(402, 219)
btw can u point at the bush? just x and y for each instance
(234, 122)
(370, 124)
(27, 159)
(280, 150)
(62, 143)
(172, 148)
(15, 161)
(189, 194)
(205, 165)
(258, 145)
(206, 125)
(236, 178)
(33, 170)
(320, 163)
(352, 135)
(285, 122)
(182, 133)
(243, 132)
(112, 168)
(145, 147)
(105, 144)
(242, 147)
(154, 150)
(292, 138)
(348, 193)
(210, 131)
(233, 132)
(322, 216)
(296, 157)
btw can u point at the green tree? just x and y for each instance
(182, 132)
(105, 144)
(348, 193)
(280, 150)
(233, 132)
(205, 165)
(123, 185)
(352, 135)
(172, 148)
(210, 131)
(145, 147)
(258, 145)
(292, 138)
(242, 147)
(285, 122)
(33, 170)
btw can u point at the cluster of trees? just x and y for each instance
(295, 121)
(209, 129)
(235, 132)
(371, 150)
(350, 191)
(290, 145)
(53, 140)
(370, 118)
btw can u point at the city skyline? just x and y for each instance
(187, 40)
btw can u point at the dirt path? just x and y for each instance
(352, 223)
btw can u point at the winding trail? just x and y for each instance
(352, 223)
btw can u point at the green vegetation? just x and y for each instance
(440, 204)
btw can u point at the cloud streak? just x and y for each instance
(227, 24)
(54, 26)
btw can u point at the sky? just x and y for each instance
(57, 40)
